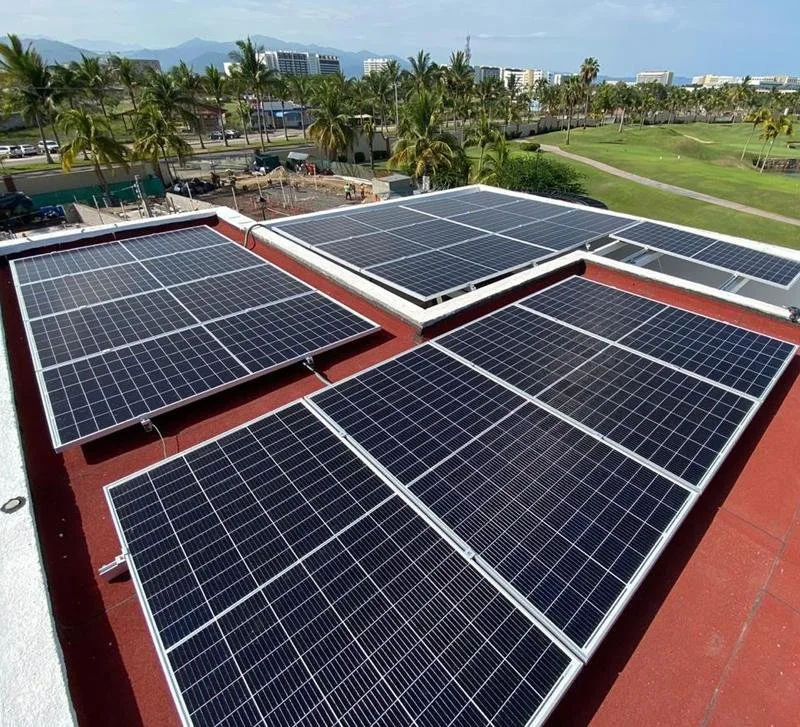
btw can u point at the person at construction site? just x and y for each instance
(363, 191)
(348, 194)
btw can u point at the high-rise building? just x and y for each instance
(559, 78)
(530, 76)
(375, 65)
(662, 77)
(711, 80)
(507, 74)
(295, 63)
(484, 72)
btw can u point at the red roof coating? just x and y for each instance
(712, 636)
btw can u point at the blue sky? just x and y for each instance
(687, 36)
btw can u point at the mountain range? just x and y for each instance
(197, 52)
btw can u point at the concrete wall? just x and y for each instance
(55, 181)
(184, 204)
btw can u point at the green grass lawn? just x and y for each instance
(708, 162)
(622, 195)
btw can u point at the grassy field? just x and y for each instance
(622, 195)
(702, 157)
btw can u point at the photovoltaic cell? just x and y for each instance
(750, 263)
(166, 243)
(184, 267)
(234, 292)
(599, 309)
(387, 217)
(263, 338)
(498, 253)
(522, 348)
(352, 608)
(125, 385)
(551, 235)
(373, 249)
(94, 286)
(676, 421)
(739, 358)
(486, 198)
(431, 273)
(442, 206)
(67, 262)
(566, 519)
(86, 331)
(413, 411)
(536, 209)
(493, 220)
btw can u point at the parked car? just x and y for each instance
(28, 150)
(51, 145)
(12, 151)
(233, 133)
(215, 135)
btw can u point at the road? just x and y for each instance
(671, 187)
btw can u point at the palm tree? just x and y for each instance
(23, 70)
(155, 133)
(93, 136)
(590, 68)
(423, 72)
(775, 127)
(243, 107)
(332, 128)
(127, 74)
(300, 90)
(393, 73)
(571, 95)
(216, 85)
(459, 80)
(756, 118)
(95, 79)
(490, 168)
(379, 94)
(256, 75)
(281, 89)
(193, 87)
(422, 147)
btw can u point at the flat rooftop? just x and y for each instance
(711, 636)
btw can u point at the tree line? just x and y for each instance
(436, 112)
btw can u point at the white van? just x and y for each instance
(51, 146)
(10, 151)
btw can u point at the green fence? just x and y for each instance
(151, 186)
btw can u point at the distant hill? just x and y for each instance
(197, 52)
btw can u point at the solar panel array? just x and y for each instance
(737, 259)
(121, 331)
(427, 247)
(433, 540)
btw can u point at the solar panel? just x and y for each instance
(522, 348)
(599, 309)
(498, 253)
(387, 217)
(436, 233)
(661, 237)
(86, 331)
(415, 410)
(373, 249)
(94, 286)
(431, 274)
(594, 221)
(223, 295)
(493, 220)
(167, 243)
(538, 210)
(486, 198)
(441, 206)
(327, 228)
(565, 518)
(183, 267)
(66, 262)
(552, 236)
(114, 345)
(262, 338)
(125, 385)
(751, 263)
(744, 360)
(317, 596)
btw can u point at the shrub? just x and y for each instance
(530, 146)
(540, 175)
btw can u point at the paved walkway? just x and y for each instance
(672, 188)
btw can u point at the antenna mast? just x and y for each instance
(468, 52)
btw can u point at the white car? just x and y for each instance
(51, 146)
(10, 151)
(28, 150)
